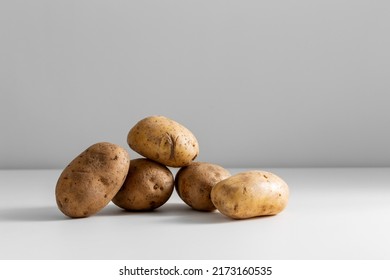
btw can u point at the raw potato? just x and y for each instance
(250, 194)
(92, 179)
(148, 186)
(193, 184)
(163, 140)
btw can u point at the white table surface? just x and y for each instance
(332, 214)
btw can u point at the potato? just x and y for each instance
(148, 186)
(193, 184)
(250, 194)
(163, 140)
(92, 179)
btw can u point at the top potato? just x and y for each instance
(163, 140)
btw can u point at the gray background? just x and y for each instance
(260, 83)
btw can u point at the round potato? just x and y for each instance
(163, 140)
(250, 194)
(193, 184)
(148, 186)
(92, 179)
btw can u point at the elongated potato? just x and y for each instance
(92, 179)
(194, 183)
(148, 185)
(163, 140)
(250, 194)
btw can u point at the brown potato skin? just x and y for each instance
(92, 179)
(163, 140)
(148, 185)
(193, 184)
(250, 194)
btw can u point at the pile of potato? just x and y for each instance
(104, 173)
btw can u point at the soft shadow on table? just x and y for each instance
(175, 213)
(178, 213)
(32, 214)
(183, 214)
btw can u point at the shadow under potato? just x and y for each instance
(32, 214)
(183, 214)
(178, 213)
